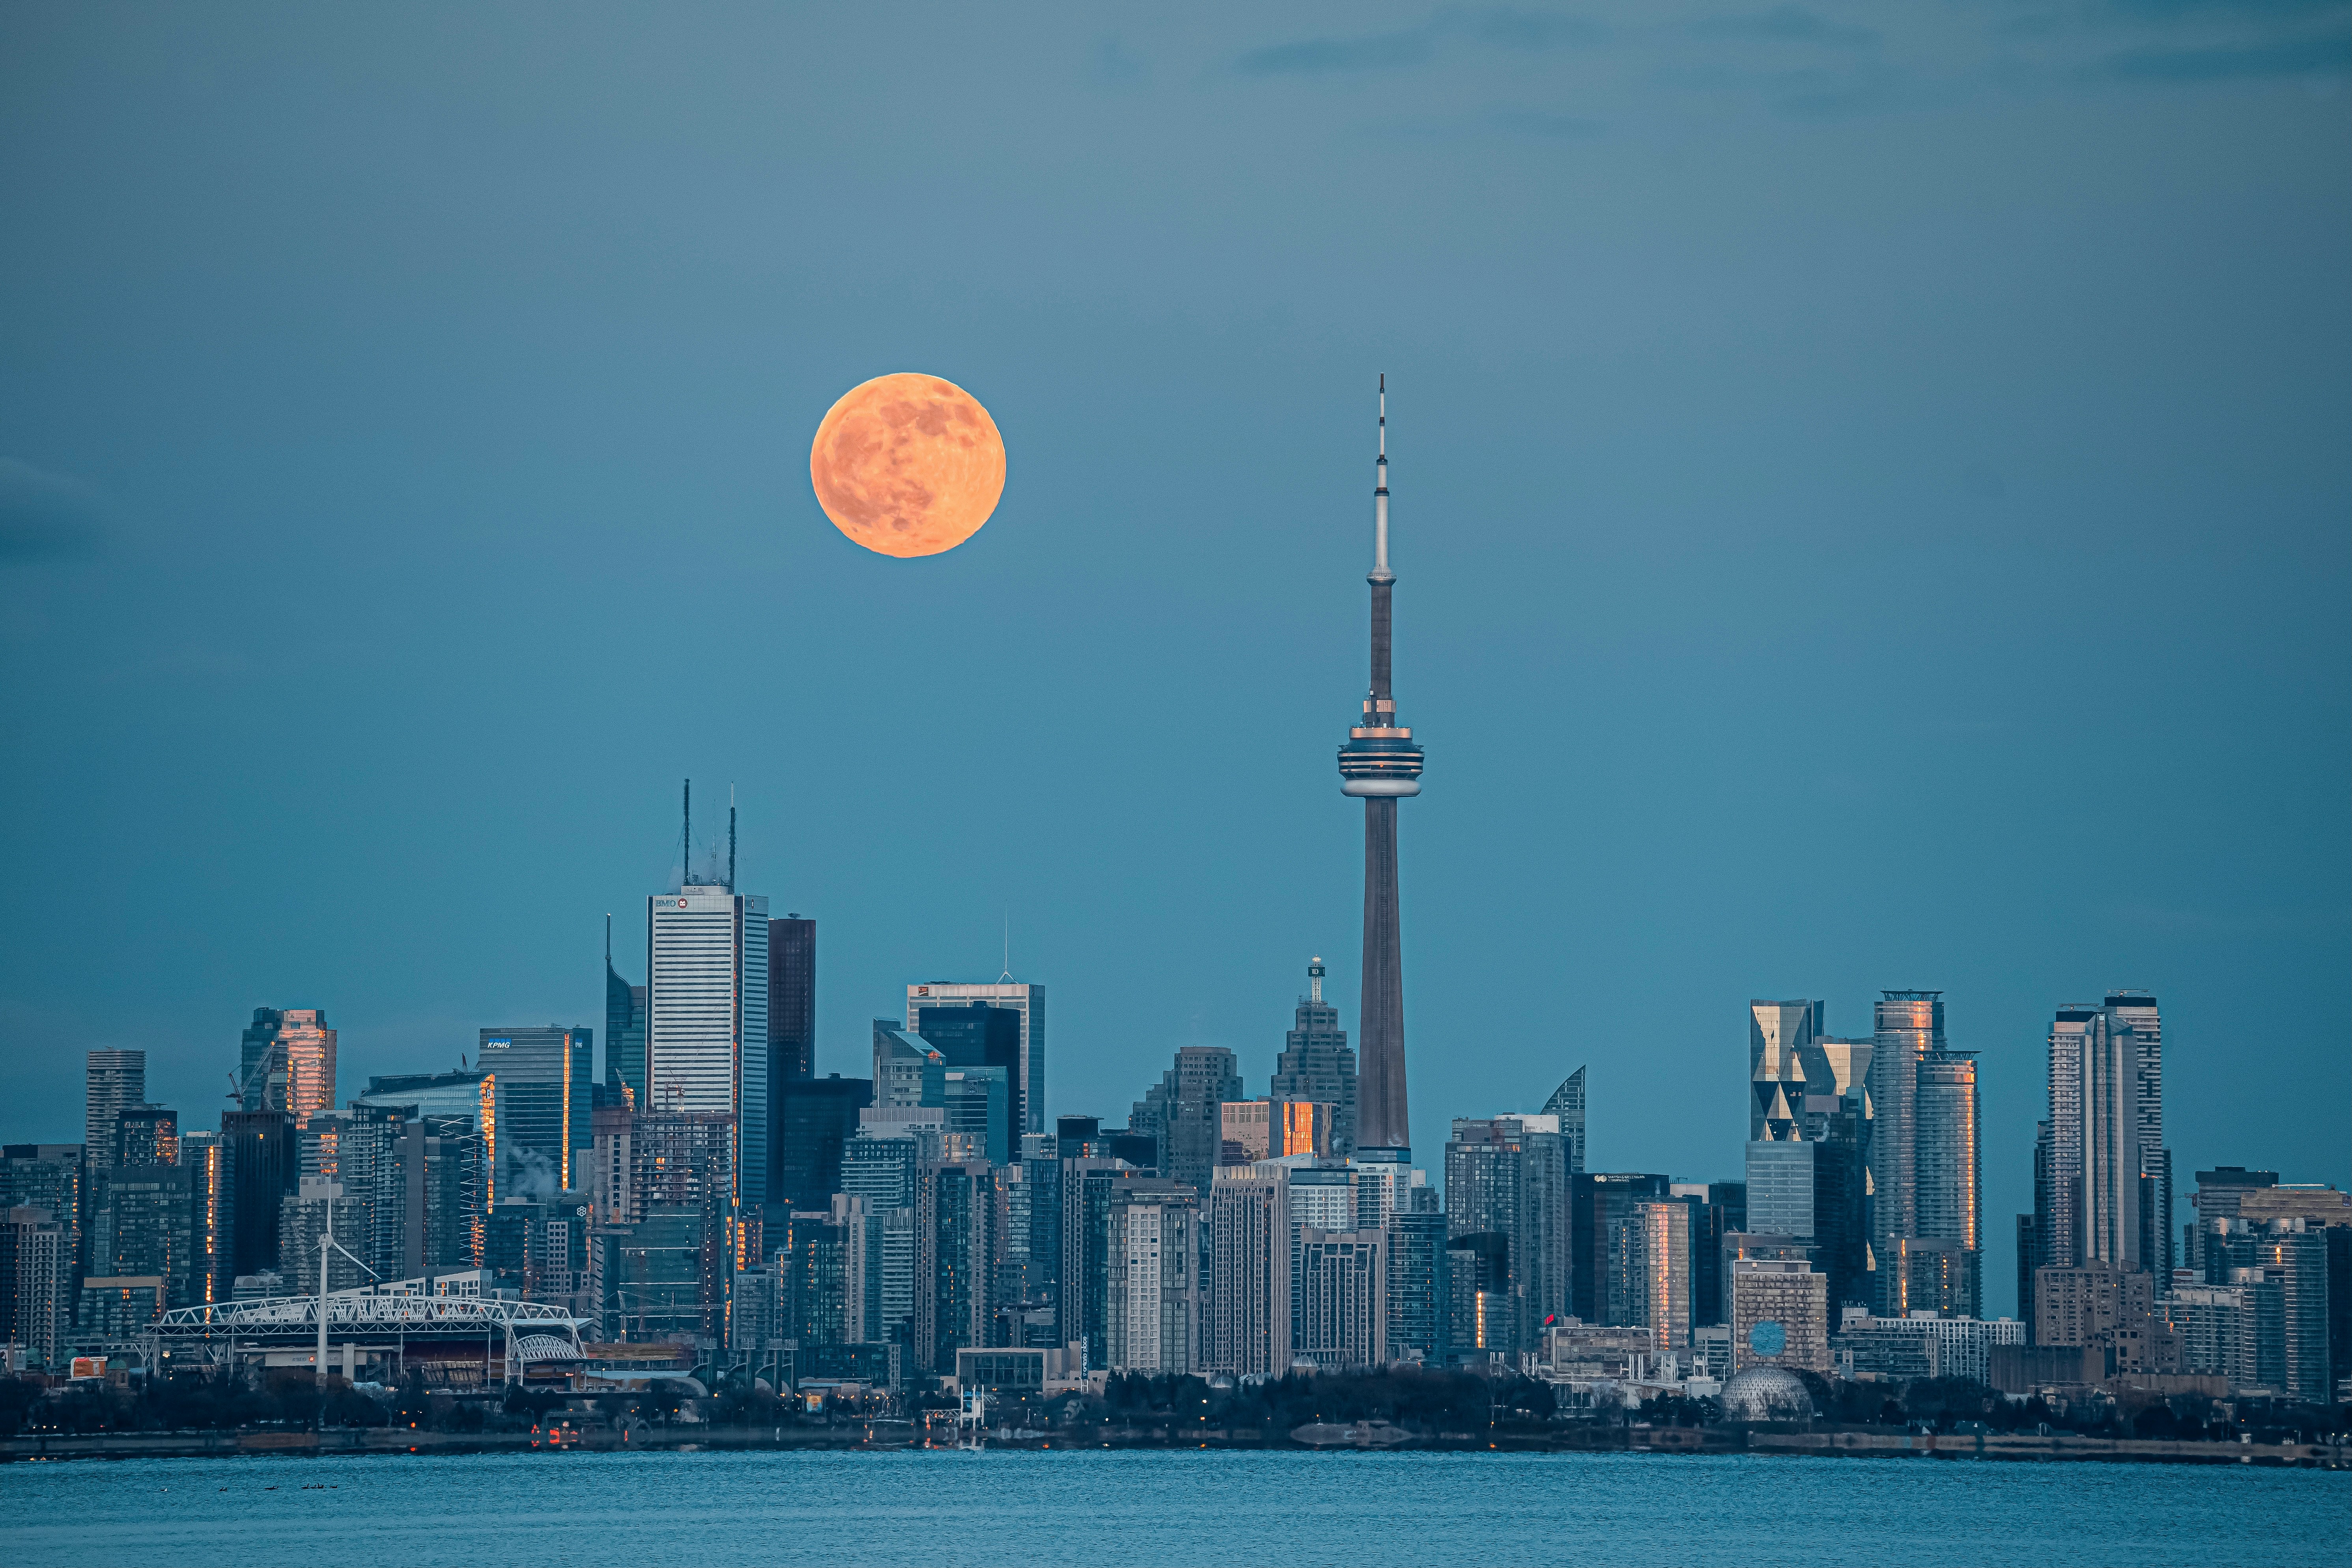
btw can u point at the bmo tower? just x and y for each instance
(1380, 764)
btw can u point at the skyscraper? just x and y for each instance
(36, 1277)
(816, 1119)
(1380, 764)
(2104, 1182)
(1947, 1169)
(1154, 1321)
(792, 999)
(1567, 1102)
(1417, 1293)
(1597, 1200)
(1909, 1026)
(1810, 1129)
(976, 1107)
(1317, 1065)
(955, 1018)
(956, 1269)
(264, 1169)
(147, 1135)
(624, 1031)
(1650, 1275)
(144, 1228)
(1342, 1284)
(1249, 1242)
(52, 1176)
(544, 1076)
(1184, 1110)
(706, 1016)
(209, 1160)
(1507, 1177)
(114, 1079)
(2136, 1011)
(287, 1062)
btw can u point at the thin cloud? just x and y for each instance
(1494, 28)
(2329, 55)
(1315, 57)
(1786, 24)
(45, 517)
(1558, 127)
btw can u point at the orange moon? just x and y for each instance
(907, 465)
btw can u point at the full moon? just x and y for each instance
(907, 465)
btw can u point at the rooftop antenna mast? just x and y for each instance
(1007, 978)
(730, 839)
(686, 862)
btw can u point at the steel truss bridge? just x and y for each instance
(446, 1309)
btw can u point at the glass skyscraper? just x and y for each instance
(981, 1042)
(971, 1026)
(543, 1077)
(792, 998)
(624, 1031)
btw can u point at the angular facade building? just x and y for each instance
(1567, 1103)
(1811, 1141)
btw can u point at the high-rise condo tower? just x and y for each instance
(1380, 762)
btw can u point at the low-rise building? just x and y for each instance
(1922, 1343)
(1020, 1369)
(1779, 1314)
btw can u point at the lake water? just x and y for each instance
(1154, 1507)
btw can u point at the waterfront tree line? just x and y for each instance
(1136, 1408)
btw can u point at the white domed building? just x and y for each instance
(1767, 1394)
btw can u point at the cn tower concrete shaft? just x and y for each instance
(1381, 1121)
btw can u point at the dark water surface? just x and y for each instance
(1298, 1509)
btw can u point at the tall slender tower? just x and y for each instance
(1380, 764)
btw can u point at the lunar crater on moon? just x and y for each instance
(907, 465)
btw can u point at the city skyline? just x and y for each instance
(1875, 509)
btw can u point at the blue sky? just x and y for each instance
(1871, 500)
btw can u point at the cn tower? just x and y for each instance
(1380, 764)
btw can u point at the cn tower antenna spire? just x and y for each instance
(1381, 490)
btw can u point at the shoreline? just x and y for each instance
(363, 1441)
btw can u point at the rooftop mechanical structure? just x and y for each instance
(1380, 764)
